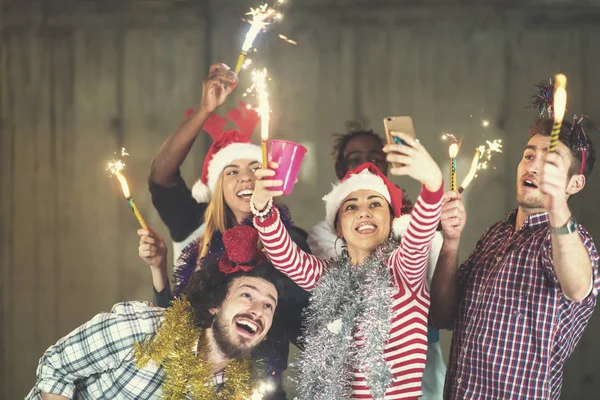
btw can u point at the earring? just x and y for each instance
(335, 246)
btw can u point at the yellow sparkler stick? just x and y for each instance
(453, 152)
(127, 194)
(265, 153)
(240, 62)
(560, 105)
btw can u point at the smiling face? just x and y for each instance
(245, 316)
(238, 184)
(364, 221)
(529, 196)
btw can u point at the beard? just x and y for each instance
(222, 336)
(530, 200)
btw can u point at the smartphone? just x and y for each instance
(398, 124)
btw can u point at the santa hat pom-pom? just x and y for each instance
(201, 192)
(400, 225)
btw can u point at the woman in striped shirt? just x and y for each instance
(366, 327)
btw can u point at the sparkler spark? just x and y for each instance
(288, 40)
(115, 165)
(453, 150)
(259, 84)
(449, 136)
(261, 17)
(483, 156)
(486, 151)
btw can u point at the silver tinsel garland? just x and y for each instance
(348, 300)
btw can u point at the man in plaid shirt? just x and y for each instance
(520, 303)
(233, 301)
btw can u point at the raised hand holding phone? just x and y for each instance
(402, 124)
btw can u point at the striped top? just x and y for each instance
(406, 349)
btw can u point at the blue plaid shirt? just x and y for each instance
(515, 329)
(97, 360)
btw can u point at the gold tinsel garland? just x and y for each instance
(173, 349)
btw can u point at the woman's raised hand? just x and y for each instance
(262, 192)
(217, 86)
(153, 249)
(414, 161)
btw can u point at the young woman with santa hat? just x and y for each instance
(220, 200)
(366, 327)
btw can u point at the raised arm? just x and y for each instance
(172, 153)
(100, 345)
(153, 251)
(446, 289)
(303, 268)
(571, 258)
(410, 158)
(410, 259)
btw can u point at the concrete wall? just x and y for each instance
(81, 79)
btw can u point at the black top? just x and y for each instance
(182, 215)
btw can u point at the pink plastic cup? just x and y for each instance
(289, 156)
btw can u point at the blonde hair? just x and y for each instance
(217, 217)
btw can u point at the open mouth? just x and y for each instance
(245, 194)
(529, 183)
(366, 228)
(247, 327)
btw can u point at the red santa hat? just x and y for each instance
(227, 146)
(366, 177)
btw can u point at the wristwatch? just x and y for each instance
(570, 227)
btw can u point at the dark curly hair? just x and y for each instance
(340, 142)
(208, 287)
(543, 127)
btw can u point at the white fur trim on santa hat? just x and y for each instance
(234, 151)
(364, 180)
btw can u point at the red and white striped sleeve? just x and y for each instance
(303, 268)
(409, 261)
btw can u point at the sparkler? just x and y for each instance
(452, 152)
(259, 79)
(560, 105)
(265, 387)
(261, 17)
(480, 161)
(115, 167)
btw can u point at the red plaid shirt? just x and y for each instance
(515, 329)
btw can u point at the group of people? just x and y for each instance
(363, 294)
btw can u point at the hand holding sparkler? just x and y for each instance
(153, 249)
(454, 216)
(217, 87)
(560, 106)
